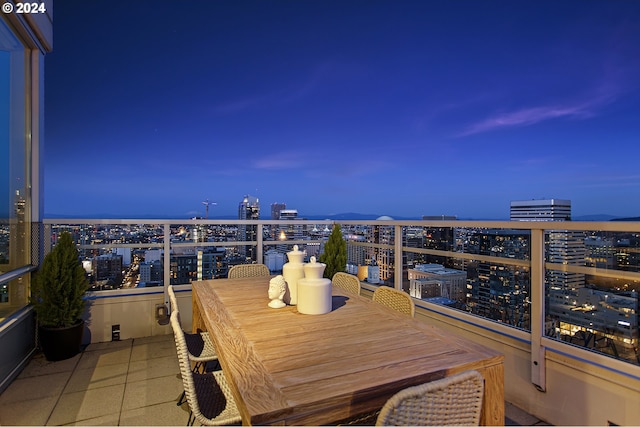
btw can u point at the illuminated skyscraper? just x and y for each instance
(541, 210)
(248, 209)
(384, 238)
(563, 247)
(276, 208)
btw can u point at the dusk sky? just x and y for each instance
(394, 107)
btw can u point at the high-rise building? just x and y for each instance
(540, 210)
(289, 231)
(498, 291)
(210, 263)
(383, 237)
(276, 208)
(125, 253)
(273, 230)
(356, 251)
(288, 214)
(151, 273)
(562, 247)
(107, 271)
(248, 209)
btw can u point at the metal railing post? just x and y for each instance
(259, 245)
(538, 365)
(397, 257)
(166, 259)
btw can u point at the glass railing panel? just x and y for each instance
(295, 231)
(117, 256)
(201, 250)
(96, 234)
(190, 263)
(591, 278)
(612, 250)
(125, 255)
(371, 252)
(201, 232)
(275, 253)
(592, 281)
(280, 237)
(480, 271)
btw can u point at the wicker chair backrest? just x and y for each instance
(455, 400)
(395, 299)
(346, 281)
(248, 270)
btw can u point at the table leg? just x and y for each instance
(197, 324)
(493, 402)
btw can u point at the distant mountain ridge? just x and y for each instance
(633, 219)
(595, 217)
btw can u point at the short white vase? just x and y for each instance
(314, 291)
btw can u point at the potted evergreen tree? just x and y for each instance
(335, 253)
(57, 292)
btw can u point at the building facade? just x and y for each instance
(276, 208)
(540, 210)
(248, 209)
(384, 238)
(434, 280)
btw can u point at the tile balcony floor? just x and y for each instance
(129, 382)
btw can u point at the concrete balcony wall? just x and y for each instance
(183, 295)
(134, 311)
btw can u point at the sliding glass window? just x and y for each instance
(15, 247)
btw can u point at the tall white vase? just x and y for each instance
(292, 272)
(314, 291)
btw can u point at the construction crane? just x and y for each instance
(207, 203)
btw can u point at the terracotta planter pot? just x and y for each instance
(61, 343)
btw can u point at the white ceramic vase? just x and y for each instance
(292, 272)
(314, 291)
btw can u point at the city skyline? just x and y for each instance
(381, 107)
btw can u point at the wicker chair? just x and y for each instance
(208, 394)
(347, 282)
(455, 400)
(248, 270)
(199, 345)
(395, 299)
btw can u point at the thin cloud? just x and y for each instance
(613, 181)
(531, 116)
(611, 87)
(281, 161)
(309, 83)
(238, 105)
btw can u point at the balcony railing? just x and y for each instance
(558, 298)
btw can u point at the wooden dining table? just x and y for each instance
(288, 368)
